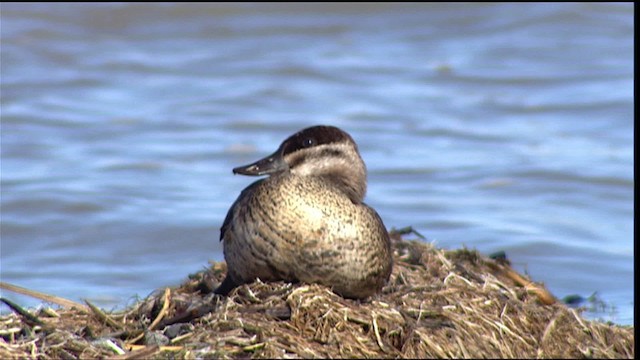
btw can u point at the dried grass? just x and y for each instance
(437, 304)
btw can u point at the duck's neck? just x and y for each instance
(352, 184)
(341, 166)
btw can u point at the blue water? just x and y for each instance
(492, 126)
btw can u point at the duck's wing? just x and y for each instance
(244, 195)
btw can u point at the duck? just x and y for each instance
(307, 222)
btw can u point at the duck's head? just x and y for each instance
(322, 151)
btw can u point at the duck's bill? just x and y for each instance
(271, 164)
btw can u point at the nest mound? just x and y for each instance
(437, 304)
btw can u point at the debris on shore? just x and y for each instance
(438, 303)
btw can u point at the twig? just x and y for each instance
(42, 296)
(143, 352)
(584, 327)
(254, 347)
(102, 316)
(465, 353)
(377, 332)
(156, 321)
(189, 315)
(543, 294)
(137, 348)
(547, 330)
(165, 306)
(28, 318)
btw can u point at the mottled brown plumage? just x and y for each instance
(307, 222)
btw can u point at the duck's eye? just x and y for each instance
(308, 142)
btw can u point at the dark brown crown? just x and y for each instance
(314, 136)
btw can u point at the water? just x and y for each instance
(492, 126)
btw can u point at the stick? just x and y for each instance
(42, 296)
(102, 316)
(28, 318)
